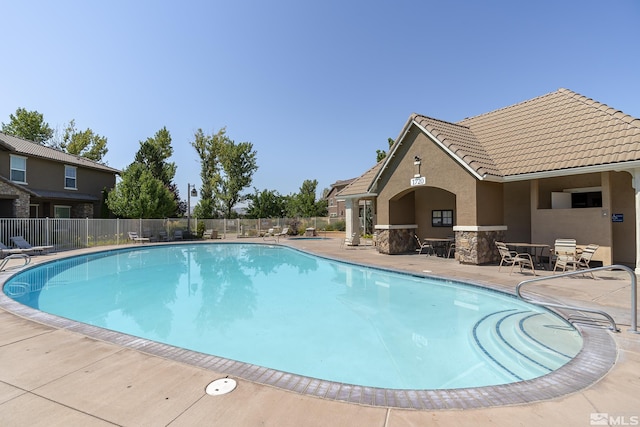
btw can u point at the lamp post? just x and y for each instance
(191, 191)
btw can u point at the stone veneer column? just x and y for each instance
(395, 239)
(476, 244)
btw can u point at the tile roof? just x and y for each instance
(362, 184)
(32, 149)
(559, 131)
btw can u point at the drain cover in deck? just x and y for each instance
(221, 386)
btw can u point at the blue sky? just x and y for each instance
(317, 87)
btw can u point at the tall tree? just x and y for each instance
(226, 169)
(83, 143)
(154, 153)
(140, 195)
(238, 164)
(207, 148)
(29, 125)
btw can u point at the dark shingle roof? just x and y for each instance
(31, 149)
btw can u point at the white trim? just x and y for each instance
(609, 167)
(479, 228)
(356, 196)
(394, 226)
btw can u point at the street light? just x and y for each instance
(191, 192)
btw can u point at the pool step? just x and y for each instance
(525, 344)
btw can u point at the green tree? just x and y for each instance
(226, 169)
(207, 148)
(83, 143)
(140, 195)
(238, 164)
(381, 154)
(265, 204)
(154, 154)
(304, 204)
(29, 125)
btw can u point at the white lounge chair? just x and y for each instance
(21, 243)
(137, 239)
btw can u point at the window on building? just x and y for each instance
(62, 211)
(442, 218)
(592, 199)
(19, 169)
(70, 177)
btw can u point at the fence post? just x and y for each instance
(47, 233)
(86, 239)
(117, 231)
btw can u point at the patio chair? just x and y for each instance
(512, 258)
(348, 241)
(283, 233)
(565, 253)
(582, 261)
(177, 235)
(424, 247)
(133, 235)
(162, 236)
(21, 243)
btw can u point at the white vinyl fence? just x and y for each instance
(66, 234)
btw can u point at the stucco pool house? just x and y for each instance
(557, 166)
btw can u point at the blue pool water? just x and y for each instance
(284, 309)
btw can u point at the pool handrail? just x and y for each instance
(634, 294)
(25, 257)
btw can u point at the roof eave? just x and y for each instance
(608, 167)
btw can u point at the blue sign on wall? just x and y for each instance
(617, 218)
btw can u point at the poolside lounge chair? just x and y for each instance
(513, 258)
(424, 247)
(21, 243)
(6, 251)
(348, 241)
(177, 235)
(137, 239)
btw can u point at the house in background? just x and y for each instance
(557, 166)
(335, 207)
(39, 182)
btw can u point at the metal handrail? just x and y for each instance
(634, 294)
(25, 257)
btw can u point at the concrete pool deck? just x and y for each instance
(52, 375)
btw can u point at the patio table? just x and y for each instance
(532, 248)
(439, 243)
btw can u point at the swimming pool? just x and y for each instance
(280, 308)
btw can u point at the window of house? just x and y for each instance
(19, 169)
(62, 211)
(70, 177)
(442, 218)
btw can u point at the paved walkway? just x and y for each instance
(53, 375)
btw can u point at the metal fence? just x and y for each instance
(66, 234)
